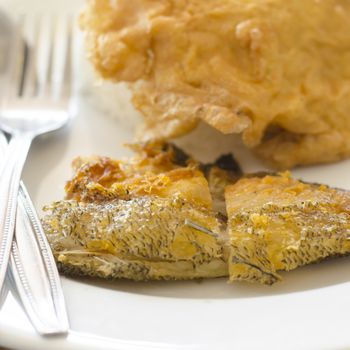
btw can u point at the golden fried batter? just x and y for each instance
(278, 71)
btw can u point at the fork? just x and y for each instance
(37, 103)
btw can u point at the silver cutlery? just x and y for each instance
(32, 275)
(6, 29)
(37, 283)
(37, 103)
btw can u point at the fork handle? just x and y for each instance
(34, 271)
(33, 276)
(10, 177)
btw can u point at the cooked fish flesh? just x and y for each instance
(276, 71)
(278, 223)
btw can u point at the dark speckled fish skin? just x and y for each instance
(318, 241)
(140, 239)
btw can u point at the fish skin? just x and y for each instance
(141, 239)
(277, 223)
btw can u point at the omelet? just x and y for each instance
(275, 71)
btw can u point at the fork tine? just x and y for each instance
(44, 54)
(31, 35)
(18, 61)
(61, 72)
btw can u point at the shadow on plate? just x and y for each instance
(325, 274)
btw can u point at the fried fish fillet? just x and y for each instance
(276, 71)
(148, 217)
(273, 222)
(278, 223)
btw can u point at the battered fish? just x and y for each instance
(276, 71)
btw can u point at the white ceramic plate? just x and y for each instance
(307, 310)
